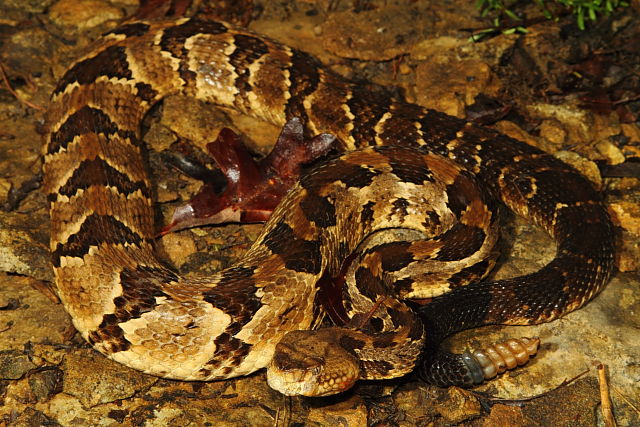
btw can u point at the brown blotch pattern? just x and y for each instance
(299, 254)
(85, 120)
(395, 255)
(130, 30)
(470, 274)
(232, 296)
(351, 175)
(248, 49)
(173, 38)
(409, 166)
(351, 344)
(319, 210)
(460, 242)
(110, 62)
(140, 288)
(98, 172)
(304, 78)
(96, 230)
(368, 112)
(400, 128)
(459, 194)
(369, 285)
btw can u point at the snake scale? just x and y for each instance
(133, 308)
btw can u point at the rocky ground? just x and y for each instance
(566, 91)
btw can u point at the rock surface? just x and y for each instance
(49, 376)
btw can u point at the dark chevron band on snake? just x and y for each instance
(132, 307)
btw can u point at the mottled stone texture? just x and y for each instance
(49, 376)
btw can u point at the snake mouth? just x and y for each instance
(297, 370)
(293, 382)
(312, 382)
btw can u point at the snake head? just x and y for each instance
(312, 363)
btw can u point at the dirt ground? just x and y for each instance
(569, 92)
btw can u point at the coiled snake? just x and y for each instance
(139, 312)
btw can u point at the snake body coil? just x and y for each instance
(139, 312)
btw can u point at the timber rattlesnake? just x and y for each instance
(139, 312)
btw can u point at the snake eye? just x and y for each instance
(315, 362)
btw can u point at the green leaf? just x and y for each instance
(580, 19)
(511, 15)
(582, 9)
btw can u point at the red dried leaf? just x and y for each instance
(254, 188)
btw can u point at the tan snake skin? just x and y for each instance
(141, 313)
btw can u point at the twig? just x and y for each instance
(283, 413)
(8, 326)
(14, 93)
(605, 399)
(625, 100)
(492, 401)
(623, 397)
(370, 313)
